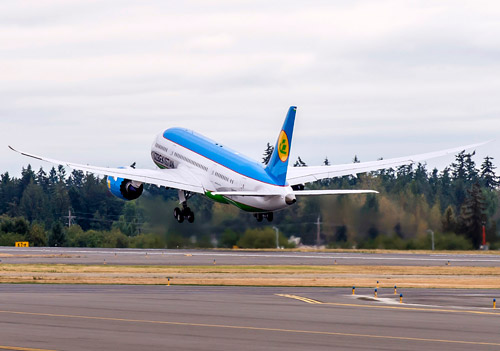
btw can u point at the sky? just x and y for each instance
(93, 82)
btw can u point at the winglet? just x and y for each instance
(278, 164)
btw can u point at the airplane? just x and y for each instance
(193, 164)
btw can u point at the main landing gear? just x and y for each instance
(260, 216)
(186, 212)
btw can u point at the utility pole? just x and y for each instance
(277, 237)
(318, 224)
(70, 218)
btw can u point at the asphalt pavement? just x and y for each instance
(236, 257)
(89, 317)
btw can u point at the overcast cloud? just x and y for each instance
(93, 82)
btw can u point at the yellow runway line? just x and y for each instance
(300, 298)
(235, 327)
(406, 308)
(14, 348)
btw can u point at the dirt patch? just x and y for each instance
(335, 276)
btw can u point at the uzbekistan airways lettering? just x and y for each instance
(192, 163)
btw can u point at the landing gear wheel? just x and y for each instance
(179, 216)
(259, 217)
(270, 216)
(189, 215)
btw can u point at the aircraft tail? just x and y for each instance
(278, 163)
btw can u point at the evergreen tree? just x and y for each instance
(299, 163)
(61, 174)
(57, 236)
(326, 162)
(488, 177)
(459, 168)
(52, 176)
(470, 166)
(449, 221)
(472, 215)
(76, 178)
(267, 154)
(37, 235)
(356, 159)
(42, 179)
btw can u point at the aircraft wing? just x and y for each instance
(301, 175)
(171, 178)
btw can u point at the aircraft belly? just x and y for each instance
(258, 203)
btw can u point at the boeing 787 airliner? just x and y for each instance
(192, 163)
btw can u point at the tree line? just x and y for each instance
(76, 209)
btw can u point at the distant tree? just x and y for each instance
(326, 162)
(488, 177)
(267, 154)
(448, 220)
(61, 174)
(33, 204)
(299, 163)
(229, 238)
(470, 166)
(37, 235)
(57, 236)
(52, 176)
(472, 215)
(76, 179)
(42, 179)
(356, 159)
(459, 168)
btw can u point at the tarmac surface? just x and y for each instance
(104, 317)
(234, 257)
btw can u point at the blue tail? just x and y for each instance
(278, 164)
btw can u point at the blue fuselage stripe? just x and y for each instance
(219, 154)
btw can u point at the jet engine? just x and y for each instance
(125, 189)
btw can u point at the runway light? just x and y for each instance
(400, 298)
(395, 290)
(354, 290)
(168, 281)
(335, 262)
(448, 263)
(375, 293)
(377, 284)
(214, 260)
(104, 261)
(494, 303)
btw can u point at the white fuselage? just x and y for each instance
(216, 177)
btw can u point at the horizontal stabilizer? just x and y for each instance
(332, 192)
(298, 192)
(247, 193)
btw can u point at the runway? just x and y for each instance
(234, 257)
(94, 317)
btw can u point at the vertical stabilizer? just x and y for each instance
(278, 164)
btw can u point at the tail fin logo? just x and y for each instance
(283, 146)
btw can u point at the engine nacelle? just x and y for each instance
(125, 189)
